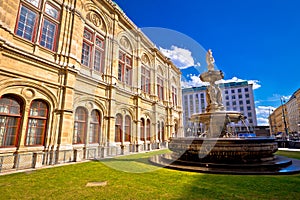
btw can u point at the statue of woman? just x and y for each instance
(210, 60)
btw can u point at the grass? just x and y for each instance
(132, 177)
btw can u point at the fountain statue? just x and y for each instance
(218, 149)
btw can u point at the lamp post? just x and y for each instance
(284, 120)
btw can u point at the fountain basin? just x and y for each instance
(224, 150)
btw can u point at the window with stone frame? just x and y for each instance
(80, 125)
(142, 129)
(145, 79)
(10, 119)
(95, 129)
(125, 68)
(118, 128)
(148, 134)
(174, 96)
(160, 88)
(38, 21)
(93, 50)
(127, 128)
(37, 123)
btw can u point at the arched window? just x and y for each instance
(163, 131)
(10, 116)
(145, 79)
(158, 130)
(80, 125)
(148, 129)
(118, 128)
(37, 123)
(94, 127)
(127, 128)
(142, 131)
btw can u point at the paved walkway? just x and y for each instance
(288, 149)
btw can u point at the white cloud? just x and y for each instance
(196, 82)
(262, 113)
(182, 58)
(255, 83)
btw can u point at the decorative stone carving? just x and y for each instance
(145, 59)
(28, 93)
(124, 42)
(96, 20)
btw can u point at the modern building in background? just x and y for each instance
(79, 80)
(237, 96)
(286, 118)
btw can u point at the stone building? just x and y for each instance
(79, 80)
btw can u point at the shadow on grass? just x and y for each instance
(132, 163)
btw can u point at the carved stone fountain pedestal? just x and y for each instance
(218, 150)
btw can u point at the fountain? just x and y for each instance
(219, 150)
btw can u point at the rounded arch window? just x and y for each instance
(118, 128)
(37, 123)
(80, 125)
(10, 118)
(95, 126)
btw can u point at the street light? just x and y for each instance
(284, 121)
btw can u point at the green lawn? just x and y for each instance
(148, 182)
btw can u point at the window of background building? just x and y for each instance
(247, 101)
(28, 26)
(93, 51)
(246, 89)
(247, 95)
(232, 91)
(239, 90)
(125, 68)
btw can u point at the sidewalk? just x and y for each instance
(288, 149)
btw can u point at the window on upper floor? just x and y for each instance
(125, 68)
(160, 88)
(38, 21)
(93, 50)
(145, 79)
(174, 96)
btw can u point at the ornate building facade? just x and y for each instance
(79, 80)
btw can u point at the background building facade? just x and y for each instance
(286, 118)
(79, 80)
(237, 96)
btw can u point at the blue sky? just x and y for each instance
(254, 40)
